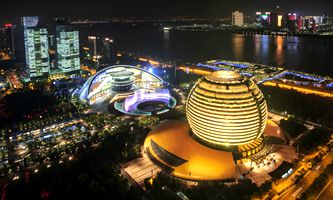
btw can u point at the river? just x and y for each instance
(313, 55)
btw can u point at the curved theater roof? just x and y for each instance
(126, 76)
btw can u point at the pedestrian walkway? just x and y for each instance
(141, 168)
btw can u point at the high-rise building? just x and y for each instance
(278, 20)
(7, 48)
(263, 19)
(93, 45)
(108, 52)
(328, 20)
(68, 48)
(300, 23)
(36, 48)
(237, 18)
(318, 19)
(292, 22)
(310, 22)
(31, 21)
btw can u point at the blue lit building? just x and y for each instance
(127, 89)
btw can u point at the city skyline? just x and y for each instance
(147, 8)
(215, 99)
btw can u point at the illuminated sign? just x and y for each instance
(264, 17)
(8, 25)
(279, 20)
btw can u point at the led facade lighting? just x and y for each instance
(36, 51)
(226, 119)
(127, 89)
(36, 47)
(68, 50)
(226, 109)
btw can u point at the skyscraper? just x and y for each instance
(108, 52)
(263, 19)
(292, 22)
(36, 48)
(93, 45)
(237, 18)
(7, 49)
(68, 49)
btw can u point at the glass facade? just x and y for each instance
(166, 156)
(68, 51)
(36, 51)
(30, 21)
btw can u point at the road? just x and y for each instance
(301, 89)
(308, 179)
(327, 193)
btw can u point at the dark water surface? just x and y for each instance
(314, 55)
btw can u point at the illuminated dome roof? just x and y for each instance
(225, 77)
(226, 108)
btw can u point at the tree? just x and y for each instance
(148, 121)
(312, 139)
(292, 127)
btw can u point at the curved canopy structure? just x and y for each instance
(130, 90)
(118, 79)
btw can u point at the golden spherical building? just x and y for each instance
(225, 108)
(226, 119)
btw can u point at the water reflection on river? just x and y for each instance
(305, 54)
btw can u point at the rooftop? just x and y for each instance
(225, 76)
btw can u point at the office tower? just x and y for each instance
(237, 18)
(312, 21)
(31, 21)
(263, 19)
(278, 20)
(300, 23)
(68, 48)
(108, 52)
(7, 48)
(292, 22)
(93, 45)
(36, 48)
(328, 20)
(318, 19)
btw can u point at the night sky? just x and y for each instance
(11, 10)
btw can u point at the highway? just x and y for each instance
(308, 179)
(300, 89)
